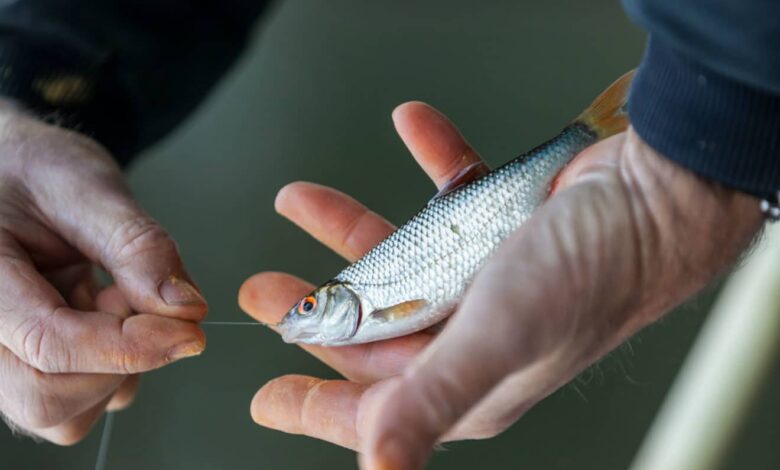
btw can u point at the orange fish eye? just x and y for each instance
(306, 305)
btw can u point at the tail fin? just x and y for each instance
(608, 115)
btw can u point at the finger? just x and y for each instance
(125, 394)
(75, 283)
(331, 410)
(323, 409)
(267, 296)
(528, 289)
(43, 331)
(435, 142)
(351, 229)
(38, 401)
(83, 295)
(338, 221)
(109, 227)
(74, 430)
(62, 398)
(111, 300)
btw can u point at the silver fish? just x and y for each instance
(415, 277)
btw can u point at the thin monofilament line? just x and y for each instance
(105, 440)
(108, 425)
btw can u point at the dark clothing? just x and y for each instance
(122, 71)
(707, 94)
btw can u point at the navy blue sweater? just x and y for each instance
(707, 94)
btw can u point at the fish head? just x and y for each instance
(330, 314)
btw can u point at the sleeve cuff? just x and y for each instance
(70, 90)
(706, 122)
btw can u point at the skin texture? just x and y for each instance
(69, 349)
(627, 236)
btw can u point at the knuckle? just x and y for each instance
(135, 237)
(40, 346)
(30, 339)
(129, 354)
(36, 346)
(132, 359)
(308, 417)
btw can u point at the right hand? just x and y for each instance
(68, 351)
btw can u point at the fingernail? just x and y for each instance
(177, 292)
(189, 349)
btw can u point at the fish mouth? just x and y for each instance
(291, 334)
(291, 337)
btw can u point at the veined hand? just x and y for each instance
(627, 236)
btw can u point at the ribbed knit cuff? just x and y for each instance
(708, 123)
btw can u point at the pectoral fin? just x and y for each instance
(400, 311)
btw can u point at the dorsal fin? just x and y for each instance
(465, 176)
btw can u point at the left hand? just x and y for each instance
(626, 236)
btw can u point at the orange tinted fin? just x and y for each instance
(464, 177)
(554, 184)
(400, 311)
(608, 114)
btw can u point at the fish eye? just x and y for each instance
(307, 305)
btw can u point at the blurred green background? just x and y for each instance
(311, 99)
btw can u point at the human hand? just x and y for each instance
(68, 350)
(626, 236)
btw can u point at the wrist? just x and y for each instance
(681, 206)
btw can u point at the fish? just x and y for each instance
(416, 276)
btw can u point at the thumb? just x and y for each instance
(522, 314)
(107, 225)
(146, 266)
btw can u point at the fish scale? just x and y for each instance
(435, 254)
(414, 278)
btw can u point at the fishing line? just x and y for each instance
(232, 323)
(108, 425)
(105, 440)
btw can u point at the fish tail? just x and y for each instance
(608, 114)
